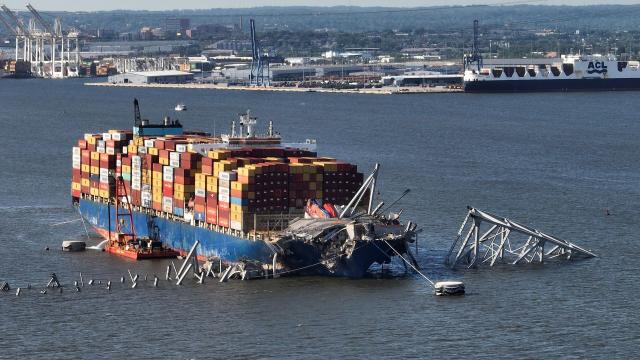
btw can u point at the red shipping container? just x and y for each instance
(200, 200)
(212, 215)
(223, 218)
(82, 144)
(156, 205)
(223, 206)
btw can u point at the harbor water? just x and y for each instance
(567, 164)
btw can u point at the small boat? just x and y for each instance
(181, 107)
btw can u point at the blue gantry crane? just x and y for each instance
(259, 62)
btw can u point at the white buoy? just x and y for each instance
(91, 282)
(109, 285)
(134, 285)
(449, 288)
(73, 245)
(18, 292)
(155, 281)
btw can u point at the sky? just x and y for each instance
(92, 5)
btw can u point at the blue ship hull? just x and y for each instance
(178, 235)
(566, 85)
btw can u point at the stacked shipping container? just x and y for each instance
(225, 187)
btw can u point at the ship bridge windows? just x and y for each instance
(496, 72)
(532, 72)
(555, 71)
(520, 70)
(508, 70)
(567, 69)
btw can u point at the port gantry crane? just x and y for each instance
(475, 58)
(259, 61)
(43, 45)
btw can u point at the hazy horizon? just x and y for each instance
(164, 5)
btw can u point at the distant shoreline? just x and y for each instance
(388, 90)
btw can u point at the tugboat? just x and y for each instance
(125, 242)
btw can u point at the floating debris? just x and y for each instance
(5, 286)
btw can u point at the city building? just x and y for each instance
(152, 77)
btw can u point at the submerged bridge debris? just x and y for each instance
(506, 241)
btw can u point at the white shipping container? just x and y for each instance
(111, 151)
(167, 173)
(76, 151)
(224, 191)
(106, 136)
(135, 185)
(224, 184)
(87, 136)
(142, 150)
(118, 162)
(125, 150)
(223, 198)
(174, 156)
(181, 148)
(136, 162)
(100, 143)
(201, 192)
(76, 164)
(146, 188)
(235, 225)
(117, 136)
(228, 175)
(167, 204)
(174, 163)
(149, 143)
(101, 149)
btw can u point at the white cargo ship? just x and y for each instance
(569, 73)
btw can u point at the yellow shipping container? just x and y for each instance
(328, 166)
(212, 184)
(95, 155)
(157, 197)
(95, 170)
(157, 175)
(157, 183)
(85, 182)
(184, 188)
(92, 140)
(201, 178)
(235, 208)
(152, 151)
(94, 191)
(138, 141)
(164, 161)
(75, 186)
(132, 149)
(126, 169)
(85, 168)
(296, 168)
(103, 193)
(219, 154)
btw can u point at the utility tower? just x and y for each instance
(259, 61)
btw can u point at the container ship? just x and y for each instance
(155, 190)
(569, 73)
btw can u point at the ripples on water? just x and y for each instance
(555, 161)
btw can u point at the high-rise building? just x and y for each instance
(175, 26)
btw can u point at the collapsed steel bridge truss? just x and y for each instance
(505, 241)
